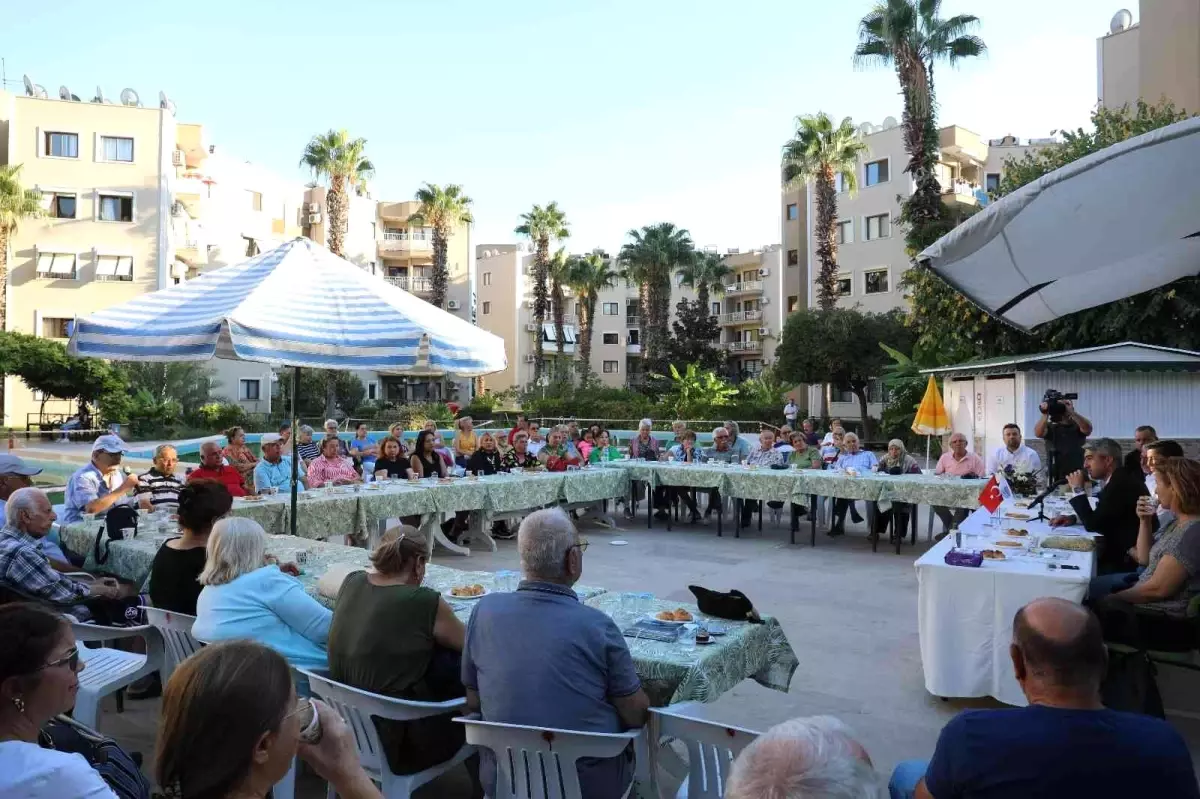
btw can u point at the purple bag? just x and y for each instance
(957, 558)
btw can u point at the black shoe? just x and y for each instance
(855, 516)
(662, 515)
(836, 530)
(695, 518)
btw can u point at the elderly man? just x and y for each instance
(16, 474)
(810, 433)
(764, 454)
(212, 468)
(1116, 492)
(720, 452)
(1065, 742)
(863, 461)
(1135, 461)
(101, 484)
(274, 469)
(1013, 453)
(540, 657)
(957, 463)
(158, 487)
(804, 757)
(331, 431)
(23, 566)
(306, 448)
(738, 443)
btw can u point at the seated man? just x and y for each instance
(16, 474)
(957, 463)
(864, 462)
(159, 487)
(1135, 461)
(720, 452)
(212, 468)
(540, 657)
(1065, 743)
(763, 454)
(1153, 454)
(274, 469)
(101, 484)
(1013, 453)
(1115, 515)
(815, 756)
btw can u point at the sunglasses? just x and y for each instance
(71, 660)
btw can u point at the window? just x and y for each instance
(845, 231)
(839, 183)
(62, 145)
(876, 227)
(876, 172)
(373, 386)
(56, 264)
(610, 367)
(875, 281)
(992, 182)
(115, 208)
(792, 302)
(250, 389)
(844, 395)
(255, 198)
(62, 206)
(793, 211)
(487, 278)
(611, 308)
(114, 267)
(116, 148)
(844, 285)
(612, 338)
(57, 327)
(634, 337)
(716, 309)
(487, 307)
(877, 391)
(793, 258)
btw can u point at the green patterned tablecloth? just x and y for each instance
(926, 489)
(595, 485)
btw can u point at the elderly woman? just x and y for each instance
(331, 467)
(802, 455)
(306, 448)
(331, 431)
(174, 576)
(644, 445)
(244, 596)
(159, 487)
(392, 636)
(519, 457)
(555, 456)
(240, 456)
(603, 450)
(896, 461)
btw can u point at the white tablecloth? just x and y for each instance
(965, 615)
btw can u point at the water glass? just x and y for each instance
(629, 604)
(328, 485)
(645, 603)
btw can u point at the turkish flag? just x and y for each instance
(990, 497)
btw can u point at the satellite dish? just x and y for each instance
(864, 128)
(165, 102)
(100, 98)
(65, 94)
(1120, 21)
(130, 97)
(29, 90)
(889, 123)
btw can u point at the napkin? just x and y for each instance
(330, 583)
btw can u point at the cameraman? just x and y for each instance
(1064, 430)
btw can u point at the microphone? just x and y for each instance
(1040, 499)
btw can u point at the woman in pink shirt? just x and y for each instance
(331, 467)
(957, 463)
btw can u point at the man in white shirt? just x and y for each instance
(1014, 453)
(790, 411)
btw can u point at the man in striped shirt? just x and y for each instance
(159, 487)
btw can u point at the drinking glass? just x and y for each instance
(629, 604)
(645, 603)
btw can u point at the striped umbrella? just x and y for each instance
(931, 418)
(297, 305)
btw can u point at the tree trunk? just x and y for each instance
(702, 298)
(644, 305)
(860, 391)
(540, 260)
(330, 393)
(440, 276)
(584, 339)
(3, 310)
(335, 200)
(824, 233)
(557, 302)
(824, 403)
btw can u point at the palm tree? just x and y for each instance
(542, 225)
(557, 271)
(909, 36)
(16, 204)
(650, 258)
(588, 276)
(705, 272)
(443, 210)
(340, 160)
(818, 153)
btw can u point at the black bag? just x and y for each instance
(1130, 684)
(117, 519)
(734, 605)
(120, 770)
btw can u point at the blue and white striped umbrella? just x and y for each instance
(295, 305)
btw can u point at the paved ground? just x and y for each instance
(850, 615)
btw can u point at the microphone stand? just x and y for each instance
(1040, 499)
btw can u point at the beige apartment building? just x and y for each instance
(1155, 58)
(751, 308)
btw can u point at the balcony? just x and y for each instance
(192, 252)
(735, 347)
(397, 242)
(961, 194)
(632, 320)
(739, 317)
(745, 287)
(633, 349)
(416, 285)
(400, 211)
(962, 145)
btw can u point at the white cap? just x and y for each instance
(11, 464)
(112, 444)
(270, 438)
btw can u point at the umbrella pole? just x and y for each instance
(927, 452)
(295, 446)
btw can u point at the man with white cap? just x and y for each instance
(101, 484)
(16, 474)
(274, 469)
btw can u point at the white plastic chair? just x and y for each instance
(539, 763)
(109, 670)
(711, 748)
(359, 709)
(176, 632)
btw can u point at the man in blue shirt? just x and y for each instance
(539, 657)
(274, 469)
(98, 486)
(1065, 743)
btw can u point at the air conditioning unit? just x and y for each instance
(314, 219)
(453, 305)
(314, 208)
(764, 331)
(530, 358)
(531, 327)
(765, 301)
(177, 158)
(764, 272)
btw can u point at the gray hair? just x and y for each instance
(733, 428)
(718, 430)
(543, 540)
(161, 448)
(646, 423)
(23, 500)
(306, 428)
(330, 422)
(236, 546)
(805, 758)
(1104, 446)
(898, 444)
(210, 445)
(848, 436)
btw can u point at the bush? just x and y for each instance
(219, 415)
(150, 417)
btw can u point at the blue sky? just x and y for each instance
(626, 113)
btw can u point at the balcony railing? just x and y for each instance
(404, 235)
(631, 320)
(416, 285)
(744, 287)
(739, 317)
(744, 346)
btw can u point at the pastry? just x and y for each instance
(1017, 531)
(1070, 543)
(992, 554)
(1007, 543)
(467, 590)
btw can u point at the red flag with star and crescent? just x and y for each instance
(990, 497)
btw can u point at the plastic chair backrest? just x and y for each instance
(711, 748)
(539, 763)
(176, 630)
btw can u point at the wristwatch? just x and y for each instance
(1078, 491)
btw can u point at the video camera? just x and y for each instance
(1055, 408)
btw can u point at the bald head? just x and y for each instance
(1059, 644)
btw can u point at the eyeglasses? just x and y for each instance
(71, 660)
(582, 544)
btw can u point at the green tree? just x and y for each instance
(694, 394)
(44, 366)
(442, 209)
(695, 330)
(557, 270)
(817, 154)
(841, 347)
(310, 397)
(705, 273)
(16, 205)
(648, 260)
(189, 384)
(588, 276)
(541, 226)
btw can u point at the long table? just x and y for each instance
(965, 615)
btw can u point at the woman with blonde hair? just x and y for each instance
(465, 441)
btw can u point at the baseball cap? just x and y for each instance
(11, 464)
(111, 444)
(270, 438)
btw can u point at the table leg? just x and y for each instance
(812, 518)
(434, 535)
(737, 517)
(479, 528)
(649, 504)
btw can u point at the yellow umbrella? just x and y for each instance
(931, 418)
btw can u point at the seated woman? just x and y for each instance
(685, 452)
(465, 441)
(392, 636)
(306, 448)
(363, 450)
(802, 456)
(439, 443)
(1171, 578)
(240, 456)
(331, 467)
(604, 450)
(896, 461)
(555, 456)
(391, 463)
(425, 461)
(175, 575)
(644, 445)
(519, 457)
(230, 727)
(396, 431)
(485, 461)
(245, 597)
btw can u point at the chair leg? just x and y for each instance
(86, 710)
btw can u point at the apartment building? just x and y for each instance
(505, 307)
(1154, 58)
(751, 308)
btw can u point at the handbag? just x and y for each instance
(118, 768)
(118, 518)
(733, 605)
(1131, 684)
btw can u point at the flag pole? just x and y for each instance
(295, 448)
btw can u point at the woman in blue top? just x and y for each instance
(364, 450)
(245, 596)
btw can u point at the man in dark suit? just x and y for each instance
(1116, 491)
(1135, 461)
